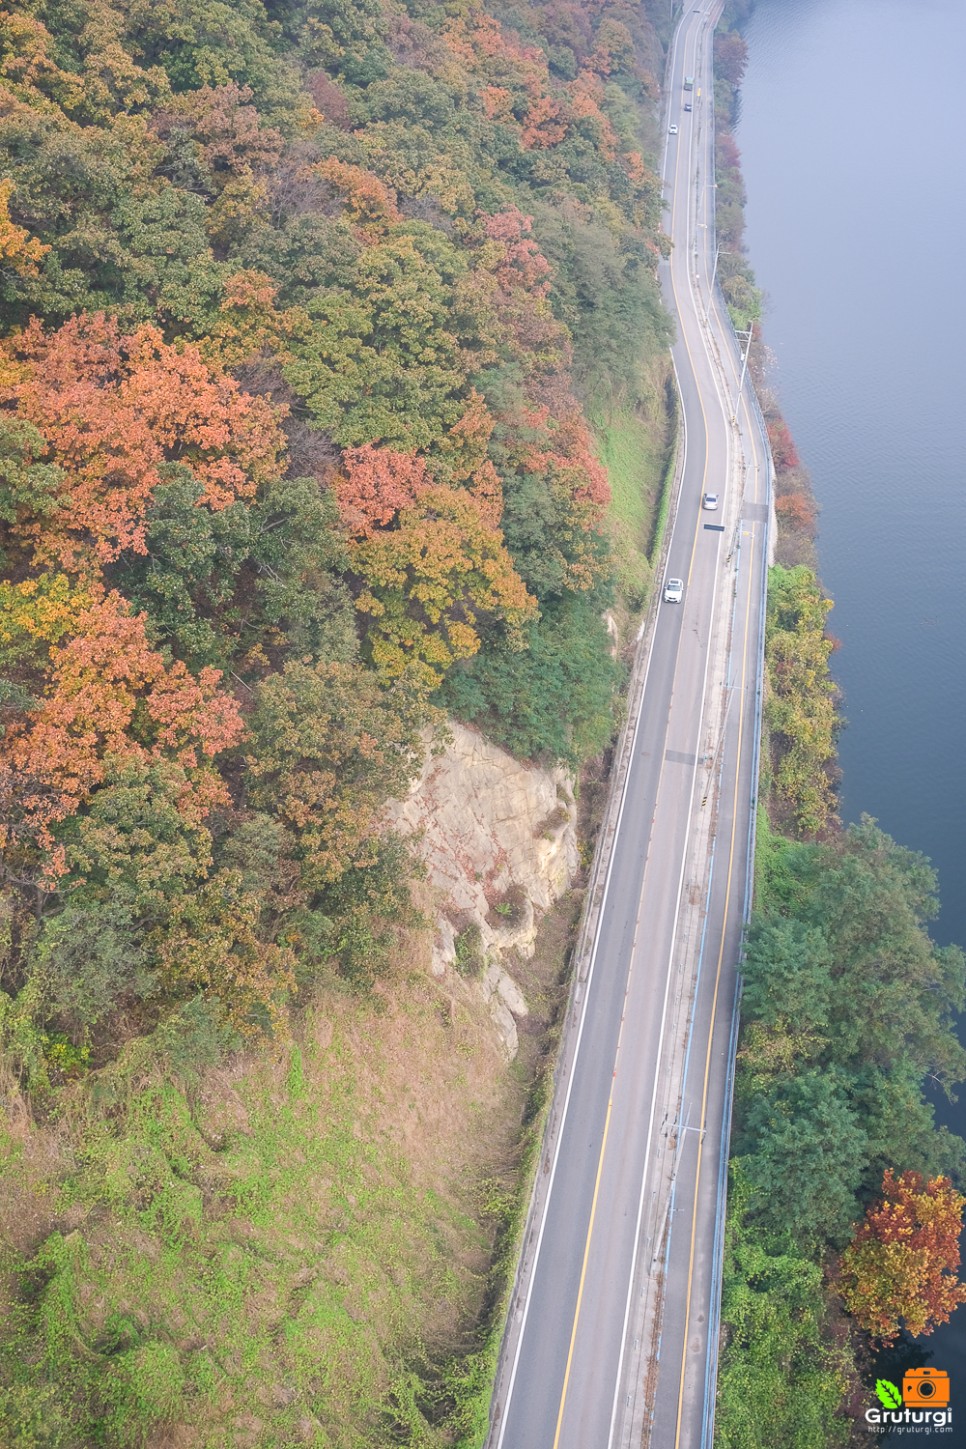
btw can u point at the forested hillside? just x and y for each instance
(306, 311)
(301, 301)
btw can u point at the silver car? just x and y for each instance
(673, 591)
(710, 500)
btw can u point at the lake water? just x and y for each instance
(851, 132)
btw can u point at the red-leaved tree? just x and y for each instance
(783, 448)
(901, 1266)
(374, 484)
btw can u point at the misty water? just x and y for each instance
(851, 133)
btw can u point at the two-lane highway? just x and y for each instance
(608, 1331)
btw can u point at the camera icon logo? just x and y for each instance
(925, 1388)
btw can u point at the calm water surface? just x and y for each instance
(852, 137)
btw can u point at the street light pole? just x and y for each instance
(747, 336)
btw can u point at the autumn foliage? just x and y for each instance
(110, 699)
(800, 708)
(373, 484)
(109, 411)
(900, 1270)
(783, 448)
(797, 509)
(299, 312)
(431, 582)
(18, 249)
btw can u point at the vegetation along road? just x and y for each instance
(611, 1333)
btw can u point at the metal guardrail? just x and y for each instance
(587, 933)
(750, 395)
(596, 891)
(714, 1327)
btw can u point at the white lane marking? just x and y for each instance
(583, 1016)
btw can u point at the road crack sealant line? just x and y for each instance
(584, 958)
(669, 1231)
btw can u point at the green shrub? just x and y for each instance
(552, 700)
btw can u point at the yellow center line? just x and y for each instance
(610, 1103)
(714, 1012)
(583, 1273)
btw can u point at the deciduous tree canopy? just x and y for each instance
(302, 306)
(300, 300)
(900, 1268)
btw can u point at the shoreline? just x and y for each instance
(851, 1357)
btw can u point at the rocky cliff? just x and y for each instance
(499, 841)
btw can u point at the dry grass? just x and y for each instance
(305, 1226)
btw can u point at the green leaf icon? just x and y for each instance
(889, 1396)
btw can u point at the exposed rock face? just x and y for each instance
(499, 841)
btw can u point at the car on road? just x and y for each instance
(687, 105)
(710, 500)
(673, 591)
(673, 130)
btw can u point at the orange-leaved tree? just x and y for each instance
(430, 582)
(104, 413)
(369, 202)
(19, 251)
(900, 1268)
(374, 484)
(109, 698)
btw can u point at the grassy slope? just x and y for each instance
(292, 1247)
(268, 1255)
(633, 450)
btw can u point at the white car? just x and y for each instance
(673, 130)
(710, 500)
(673, 591)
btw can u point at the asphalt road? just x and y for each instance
(607, 1338)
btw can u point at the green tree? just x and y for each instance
(188, 574)
(787, 974)
(803, 1149)
(88, 961)
(872, 899)
(328, 746)
(780, 1380)
(300, 560)
(554, 697)
(381, 364)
